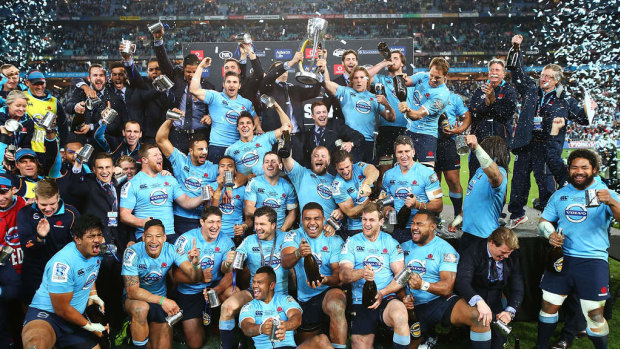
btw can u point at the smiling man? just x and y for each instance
(224, 108)
(484, 271)
(145, 266)
(44, 228)
(193, 171)
(55, 316)
(129, 145)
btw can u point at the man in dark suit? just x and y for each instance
(327, 131)
(196, 119)
(103, 195)
(484, 271)
(291, 98)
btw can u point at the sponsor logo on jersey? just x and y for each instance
(90, 281)
(324, 191)
(231, 117)
(402, 193)
(192, 183)
(271, 202)
(362, 106)
(152, 277)
(158, 197)
(576, 213)
(60, 272)
(376, 262)
(418, 266)
(250, 159)
(207, 261)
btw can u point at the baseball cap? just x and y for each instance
(24, 152)
(35, 76)
(5, 184)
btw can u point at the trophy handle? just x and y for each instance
(301, 49)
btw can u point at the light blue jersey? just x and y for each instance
(252, 249)
(281, 197)
(67, 272)
(455, 108)
(153, 197)
(326, 250)
(379, 254)
(249, 155)
(261, 312)
(390, 95)
(212, 254)
(360, 110)
(428, 260)
(191, 178)
(151, 271)
(433, 99)
(232, 213)
(224, 113)
(420, 181)
(344, 190)
(311, 187)
(584, 228)
(483, 204)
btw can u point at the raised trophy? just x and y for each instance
(316, 36)
(162, 83)
(129, 48)
(244, 38)
(156, 27)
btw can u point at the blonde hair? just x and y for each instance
(356, 69)
(15, 95)
(503, 235)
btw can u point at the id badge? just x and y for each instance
(112, 219)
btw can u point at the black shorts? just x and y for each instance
(425, 146)
(67, 334)
(156, 312)
(447, 158)
(192, 305)
(436, 311)
(385, 140)
(313, 313)
(365, 321)
(589, 277)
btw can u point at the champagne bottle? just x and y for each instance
(555, 258)
(414, 324)
(512, 60)
(444, 123)
(284, 145)
(400, 88)
(311, 267)
(94, 315)
(369, 292)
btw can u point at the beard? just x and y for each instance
(581, 186)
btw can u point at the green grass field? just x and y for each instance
(525, 331)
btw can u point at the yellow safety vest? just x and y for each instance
(38, 106)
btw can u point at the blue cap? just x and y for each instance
(35, 76)
(24, 152)
(5, 184)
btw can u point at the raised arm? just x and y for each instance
(195, 87)
(486, 163)
(163, 142)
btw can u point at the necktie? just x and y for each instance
(493, 274)
(108, 189)
(121, 94)
(318, 135)
(289, 108)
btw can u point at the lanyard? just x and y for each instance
(260, 248)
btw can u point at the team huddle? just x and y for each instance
(219, 211)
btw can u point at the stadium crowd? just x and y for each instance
(164, 199)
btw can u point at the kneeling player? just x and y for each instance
(433, 262)
(55, 314)
(145, 265)
(257, 317)
(367, 256)
(213, 248)
(321, 299)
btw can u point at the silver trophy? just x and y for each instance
(244, 38)
(502, 327)
(238, 260)
(108, 115)
(48, 121)
(173, 115)
(205, 194)
(162, 83)
(214, 302)
(4, 253)
(338, 143)
(85, 153)
(156, 27)
(268, 101)
(391, 216)
(12, 125)
(229, 180)
(403, 277)
(92, 103)
(461, 145)
(174, 319)
(274, 328)
(128, 47)
(386, 201)
(333, 223)
(316, 36)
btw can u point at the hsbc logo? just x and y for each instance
(226, 55)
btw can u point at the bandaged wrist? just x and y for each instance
(546, 228)
(483, 158)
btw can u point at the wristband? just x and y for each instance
(297, 254)
(226, 265)
(483, 157)
(161, 301)
(425, 286)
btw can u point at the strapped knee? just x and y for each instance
(553, 298)
(595, 328)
